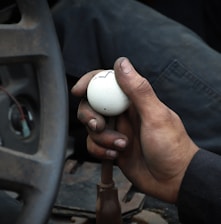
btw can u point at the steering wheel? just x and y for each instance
(35, 175)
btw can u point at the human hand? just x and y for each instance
(150, 143)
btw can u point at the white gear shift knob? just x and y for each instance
(105, 95)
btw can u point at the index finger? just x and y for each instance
(80, 88)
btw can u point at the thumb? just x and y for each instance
(136, 87)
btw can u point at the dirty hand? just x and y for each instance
(150, 143)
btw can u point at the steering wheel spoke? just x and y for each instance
(28, 38)
(15, 43)
(20, 171)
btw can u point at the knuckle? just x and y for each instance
(144, 86)
(81, 116)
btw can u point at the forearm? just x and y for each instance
(200, 194)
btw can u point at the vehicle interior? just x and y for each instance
(40, 180)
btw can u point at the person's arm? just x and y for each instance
(149, 143)
(153, 149)
(199, 199)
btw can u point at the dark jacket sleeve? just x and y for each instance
(200, 194)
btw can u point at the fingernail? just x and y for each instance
(121, 143)
(111, 154)
(92, 124)
(125, 66)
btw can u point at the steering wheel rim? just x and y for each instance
(37, 176)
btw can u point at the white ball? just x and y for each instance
(105, 95)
